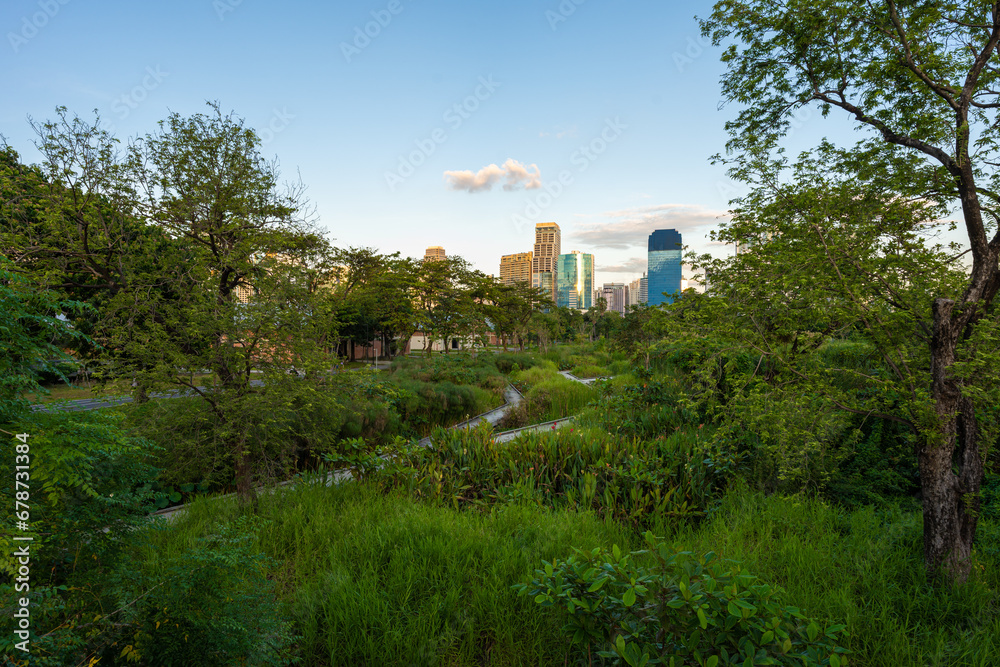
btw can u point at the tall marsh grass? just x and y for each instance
(635, 481)
(863, 568)
(371, 579)
(547, 396)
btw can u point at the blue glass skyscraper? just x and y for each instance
(575, 280)
(664, 266)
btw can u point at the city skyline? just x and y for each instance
(391, 132)
(398, 120)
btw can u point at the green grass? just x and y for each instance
(863, 569)
(548, 395)
(61, 391)
(383, 580)
(586, 370)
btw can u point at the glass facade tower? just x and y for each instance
(575, 280)
(664, 273)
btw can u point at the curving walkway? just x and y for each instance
(512, 397)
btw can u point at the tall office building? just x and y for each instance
(515, 268)
(575, 280)
(665, 248)
(548, 245)
(435, 252)
(616, 296)
(638, 291)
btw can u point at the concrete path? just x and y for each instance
(507, 436)
(82, 404)
(586, 381)
(512, 397)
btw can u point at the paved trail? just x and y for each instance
(512, 397)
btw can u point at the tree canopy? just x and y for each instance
(919, 79)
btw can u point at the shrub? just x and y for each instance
(506, 361)
(292, 426)
(87, 490)
(635, 481)
(588, 370)
(480, 370)
(426, 404)
(683, 609)
(210, 605)
(644, 409)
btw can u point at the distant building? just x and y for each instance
(515, 268)
(435, 252)
(688, 280)
(665, 249)
(575, 280)
(616, 296)
(638, 291)
(548, 243)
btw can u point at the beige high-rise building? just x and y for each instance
(435, 252)
(616, 295)
(548, 247)
(515, 268)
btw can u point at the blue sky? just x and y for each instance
(600, 116)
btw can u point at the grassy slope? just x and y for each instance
(863, 569)
(385, 580)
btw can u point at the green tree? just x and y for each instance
(634, 335)
(250, 302)
(920, 78)
(33, 338)
(515, 306)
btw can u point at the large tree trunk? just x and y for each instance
(951, 468)
(245, 491)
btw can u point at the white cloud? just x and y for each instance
(513, 174)
(631, 265)
(630, 228)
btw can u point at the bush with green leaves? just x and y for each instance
(211, 605)
(547, 396)
(676, 477)
(662, 606)
(292, 421)
(646, 408)
(88, 494)
(508, 362)
(87, 489)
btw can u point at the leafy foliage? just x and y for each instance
(634, 481)
(211, 605)
(32, 338)
(683, 609)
